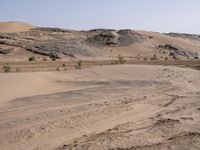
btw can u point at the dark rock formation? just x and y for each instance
(128, 37)
(60, 43)
(48, 41)
(177, 52)
(52, 29)
(106, 38)
(115, 38)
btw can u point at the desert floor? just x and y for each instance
(142, 107)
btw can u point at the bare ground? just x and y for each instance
(121, 107)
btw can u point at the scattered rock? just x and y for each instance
(166, 121)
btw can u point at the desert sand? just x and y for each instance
(142, 107)
(134, 90)
(14, 26)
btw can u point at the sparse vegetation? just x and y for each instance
(6, 68)
(121, 59)
(154, 57)
(18, 70)
(44, 59)
(78, 65)
(53, 57)
(58, 69)
(145, 58)
(32, 58)
(64, 65)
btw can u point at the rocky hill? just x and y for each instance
(99, 43)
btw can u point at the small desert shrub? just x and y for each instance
(53, 57)
(6, 68)
(64, 65)
(57, 69)
(145, 58)
(151, 37)
(121, 59)
(17, 70)
(44, 59)
(78, 65)
(32, 58)
(154, 57)
(114, 62)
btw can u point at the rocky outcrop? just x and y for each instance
(52, 42)
(115, 38)
(186, 36)
(61, 43)
(177, 52)
(128, 37)
(106, 38)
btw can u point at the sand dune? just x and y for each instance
(12, 26)
(109, 107)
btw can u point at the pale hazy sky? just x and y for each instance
(154, 15)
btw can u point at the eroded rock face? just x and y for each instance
(51, 42)
(128, 37)
(177, 52)
(106, 38)
(60, 43)
(115, 38)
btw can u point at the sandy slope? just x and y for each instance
(148, 48)
(109, 107)
(12, 26)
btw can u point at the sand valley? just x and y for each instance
(98, 89)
